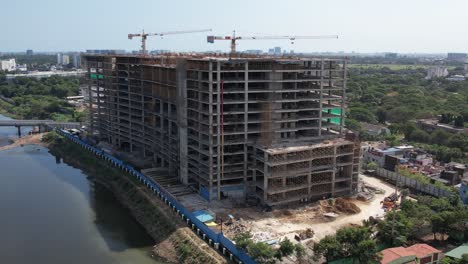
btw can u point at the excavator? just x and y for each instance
(390, 201)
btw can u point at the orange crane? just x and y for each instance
(144, 36)
(234, 38)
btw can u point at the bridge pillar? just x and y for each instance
(19, 131)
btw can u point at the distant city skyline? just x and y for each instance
(363, 26)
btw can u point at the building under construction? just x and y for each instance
(269, 127)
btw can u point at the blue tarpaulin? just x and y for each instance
(203, 216)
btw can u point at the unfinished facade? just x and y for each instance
(261, 126)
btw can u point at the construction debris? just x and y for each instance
(339, 205)
(305, 234)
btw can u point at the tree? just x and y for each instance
(300, 250)
(440, 223)
(459, 121)
(349, 242)
(381, 115)
(440, 137)
(362, 114)
(261, 253)
(243, 239)
(394, 229)
(329, 248)
(286, 249)
(420, 135)
(367, 252)
(353, 124)
(372, 165)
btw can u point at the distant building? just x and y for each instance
(22, 67)
(63, 59)
(375, 130)
(466, 70)
(255, 51)
(76, 60)
(432, 124)
(456, 78)
(59, 58)
(8, 65)
(112, 51)
(437, 72)
(277, 50)
(391, 55)
(29, 52)
(417, 253)
(454, 172)
(378, 155)
(457, 56)
(271, 51)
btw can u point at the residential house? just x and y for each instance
(417, 254)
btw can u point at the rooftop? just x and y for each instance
(458, 252)
(416, 250)
(293, 148)
(220, 57)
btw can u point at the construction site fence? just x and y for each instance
(403, 181)
(216, 240)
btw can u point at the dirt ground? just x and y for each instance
(288, 222)
(25, 140)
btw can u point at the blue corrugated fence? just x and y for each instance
(217, 240)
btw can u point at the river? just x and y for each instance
(53, 213)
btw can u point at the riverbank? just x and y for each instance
(35, 139)
(175, 242)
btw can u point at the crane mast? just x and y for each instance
(144, 36)
(234, 38)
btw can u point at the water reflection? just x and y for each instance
(52, 213)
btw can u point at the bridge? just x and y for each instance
(42, 124)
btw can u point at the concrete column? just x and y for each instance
(246, 125)
(266, 174)
(210, 122)
(218, 111)
(343, 95)
(334, 171)
(322, 68)
(181, 75)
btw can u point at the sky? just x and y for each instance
(404, 26)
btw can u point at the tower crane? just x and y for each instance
(234, 38)
(144, 36)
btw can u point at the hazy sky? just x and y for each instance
(362, 25)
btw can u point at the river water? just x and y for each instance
(52, 213)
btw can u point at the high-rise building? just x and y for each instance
(270, 128)
(457, 56)
(76, 60)
(29, 52)
(65, 59)
(8, 65)
(277, 50)
(59, 58)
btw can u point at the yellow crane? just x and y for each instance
(144, 36)
(234, 38)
